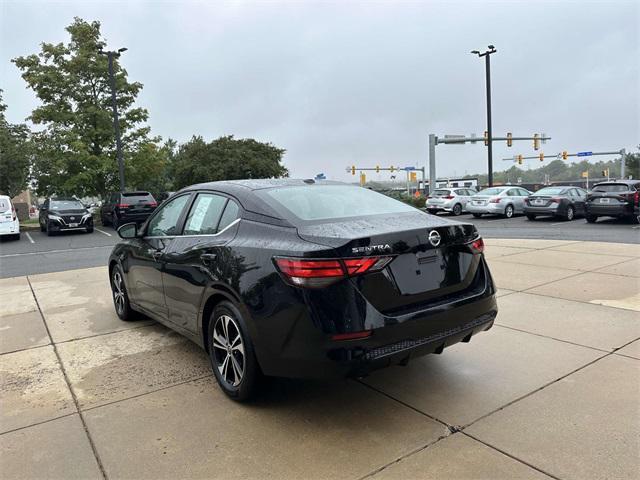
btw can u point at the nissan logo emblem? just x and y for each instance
(434, 238)
(72, 218)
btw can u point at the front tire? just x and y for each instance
(232, 354)
(48, 230)
(120, 295)
(591, 218)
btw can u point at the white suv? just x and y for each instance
(452, 200)
(9, 223)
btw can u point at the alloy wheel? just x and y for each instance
(228, 349)
(570, 213)
(118, 292)
(508, 212)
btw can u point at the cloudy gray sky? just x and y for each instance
(337, 83)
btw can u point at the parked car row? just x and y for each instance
(618, 198)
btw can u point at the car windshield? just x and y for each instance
(550, 191)
(325, 202)
(66, 205)
(611, 187)
(441, 193)
(4, 205)
(491, 191)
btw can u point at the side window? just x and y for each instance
(512, 193)
(230, 214)
(204, 215)
(523, 193)
(165, 222)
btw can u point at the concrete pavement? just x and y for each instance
(550, 392)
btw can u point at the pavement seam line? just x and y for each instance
(69, 386)
(546, 385)
(513, 457)
(555, 339)
(39, 423)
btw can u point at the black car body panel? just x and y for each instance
(126, 207)
(428, 297)
(64, 214)
(555, 201)
(617, 198)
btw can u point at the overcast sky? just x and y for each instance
(336, 83)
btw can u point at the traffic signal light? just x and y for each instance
(605, 172)
(486, 138)
(519, 157)
(564, 155)
(542, 157)
(353, 169)
(377, 168)
(536, 141)
(391, 169)
(509, 139)
(363, 178)
(413, 176)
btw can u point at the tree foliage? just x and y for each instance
(15, 153)
(226, 158)
(76, 151)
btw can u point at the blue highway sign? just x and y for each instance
(585, 154)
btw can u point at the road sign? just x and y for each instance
(585, 174)
(452, 138)
(585, 154)
(408, 169)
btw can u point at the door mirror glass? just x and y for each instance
(128, 230)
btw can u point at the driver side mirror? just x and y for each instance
(128, 230)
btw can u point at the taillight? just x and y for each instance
(351, 335)
(449, 197)
(122, 205)
(495, 200)
(477, 246)
(636, 198)
(13, 212)
(153, 204)
(318, 273)
(555, 200)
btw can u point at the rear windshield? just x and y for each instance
(325, 202)
(550, 191)
(441, 192)
(66, 205)
(137, 197)
(611, 187)
(491, 191)
(4, 205)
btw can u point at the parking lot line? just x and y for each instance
(102, 231)
(29, 237)
(559, 223)
(46, 252)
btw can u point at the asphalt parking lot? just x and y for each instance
(36, 253)
(550, 392)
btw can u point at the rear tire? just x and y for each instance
(457, 209)
(49, 232)
(531, 217)
(89, 229)
(508, 211)
(477, 215)
(120, 295)
(591, 218)
(42, 229)
(115, 223)
(232, 354)
(570, 215)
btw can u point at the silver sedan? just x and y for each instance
(506, 201)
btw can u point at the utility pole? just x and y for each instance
(114, 104)
(623, 153)
(487, 62)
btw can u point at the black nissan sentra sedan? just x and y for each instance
(296, 278)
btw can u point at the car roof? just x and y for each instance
(617, 182)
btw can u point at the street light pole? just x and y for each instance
(116, 121)
(487, 63)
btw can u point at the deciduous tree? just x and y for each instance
(15, 154)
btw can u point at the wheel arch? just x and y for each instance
(213, 298)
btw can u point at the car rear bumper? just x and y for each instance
(609, 210)
(443, 207)
(133, 218)
(495, 208)
(550, 210)
(10, 228)
(305, 351)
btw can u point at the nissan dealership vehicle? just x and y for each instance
(451, 200)
(618, 198)
(504, 200)
(64, 214)
(301, 279)
(9, 223)
(557, 201)
(124, 207)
